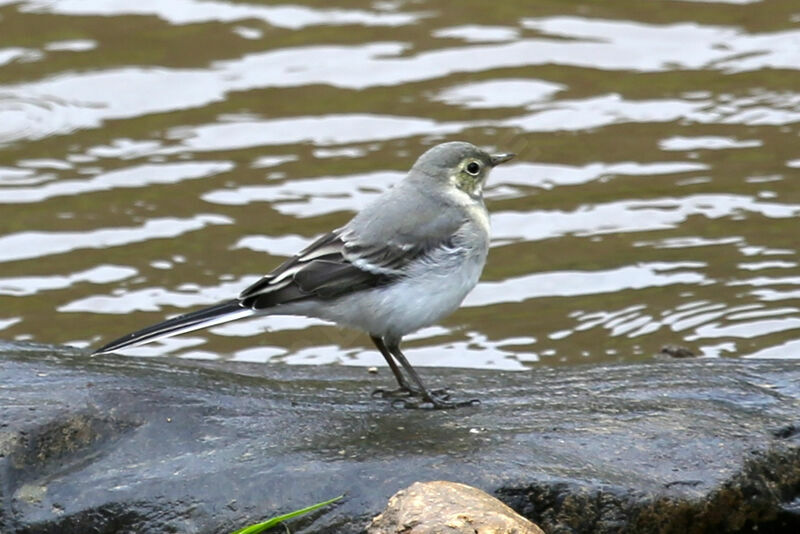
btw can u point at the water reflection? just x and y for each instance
(708, 142)
(311, 198)
(192, 11)
(138, 176)
(473, 33)
(26, 245)
(30, 285)
(566, 284)
(613, 45)
(328, 130)
(159, 156)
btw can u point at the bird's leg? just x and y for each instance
(433, 397)
(405, 389)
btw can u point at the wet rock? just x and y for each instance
(441, 507)
(115, 444)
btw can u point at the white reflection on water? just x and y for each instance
(284, 245)
(42, 163)
(193, 11)
(12, 176)
(547, 175)
(122, 149)
(341, 152)
(30, 285)
(272, 161)
(745, 329)
(603, 110)
(689, 242)
(69, 101)
(270, 323)
(758, 313)
(500, 93)
(138, 176)
(766, 281)
(758, 266)
(630, 216)
(703, 320)
(763, 108)
(324, 130)
(32, 244)
(787, 350)
(71, 45)
(699, 320)
(311, 197)
(593, 43)
(154, 298)
(572, 283)
(708, 142)
(771, 295)
(690, 317)
(477, 352)
(7, 55)
(473, 33)
(652, 47)
(5, 323)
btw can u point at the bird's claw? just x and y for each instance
(407, 392)
(393, 393)
(434, 402)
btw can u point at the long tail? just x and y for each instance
(221, 313)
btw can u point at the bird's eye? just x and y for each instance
(474, 168)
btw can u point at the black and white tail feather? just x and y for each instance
(214, 315)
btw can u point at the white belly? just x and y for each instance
(426, 295)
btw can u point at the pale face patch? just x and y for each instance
(470, 176)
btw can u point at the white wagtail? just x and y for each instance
(405, 261)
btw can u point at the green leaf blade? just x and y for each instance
(269, 523)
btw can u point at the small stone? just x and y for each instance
(440, 506)
(676, 351)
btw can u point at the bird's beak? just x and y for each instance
(497, 159)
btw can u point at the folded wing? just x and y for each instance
(334, 265)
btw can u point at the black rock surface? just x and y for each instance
(114, 444)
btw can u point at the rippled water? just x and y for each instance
(160, 155)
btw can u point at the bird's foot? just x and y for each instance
(404, 392)
(434, 401)
(394, 393)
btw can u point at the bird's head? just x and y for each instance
(458, 164)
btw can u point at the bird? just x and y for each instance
(405, 261)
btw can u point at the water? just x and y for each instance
(158, 156)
